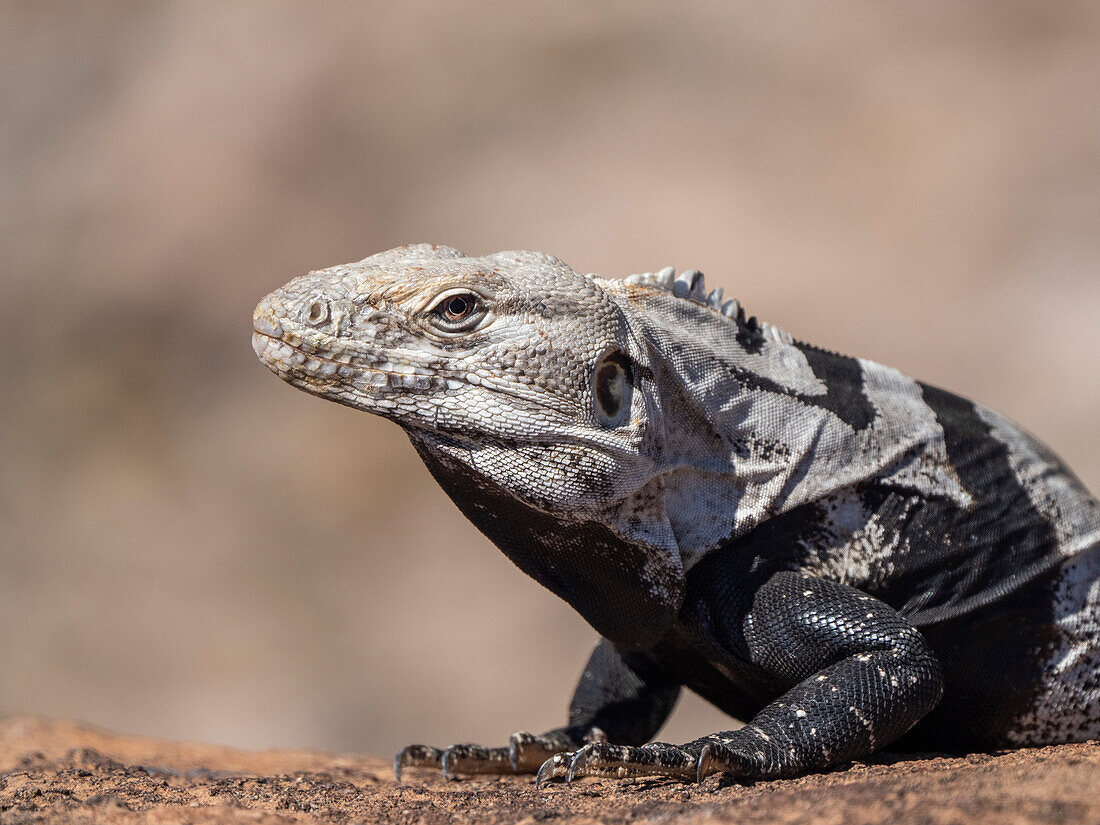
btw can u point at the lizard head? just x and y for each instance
(523, 388)
(513, 353)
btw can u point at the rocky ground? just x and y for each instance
(58, 770)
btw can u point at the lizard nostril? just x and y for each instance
(317, 312)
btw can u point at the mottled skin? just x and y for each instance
(838, 555)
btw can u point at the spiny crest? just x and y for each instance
(690, 285)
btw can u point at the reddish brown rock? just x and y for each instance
(61, 770)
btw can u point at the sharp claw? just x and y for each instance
(580, 758)
(415, 756)
(716, 758)
(446, 764)
(702, 765)
(514, 746)
(553, 768)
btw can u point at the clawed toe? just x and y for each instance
(452, 761)
(474, 759)
(619, 762)
(556, 767)
(716, 757)
(525, 753)
(709, 762)
(416, 756)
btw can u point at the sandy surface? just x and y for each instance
(51, 770)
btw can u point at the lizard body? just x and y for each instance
(837, 554)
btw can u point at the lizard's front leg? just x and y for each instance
(856, 677)
(620, 695)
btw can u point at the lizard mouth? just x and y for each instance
(304, 362)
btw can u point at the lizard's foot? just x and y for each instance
(620, 762)
(525, 753)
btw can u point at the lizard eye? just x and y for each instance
(458, 311)
(612, 388)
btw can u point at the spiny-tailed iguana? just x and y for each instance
(841, 556)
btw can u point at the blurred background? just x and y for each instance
(190, 548)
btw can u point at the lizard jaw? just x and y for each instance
(315, 372)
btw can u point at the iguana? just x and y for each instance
(840, 556)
